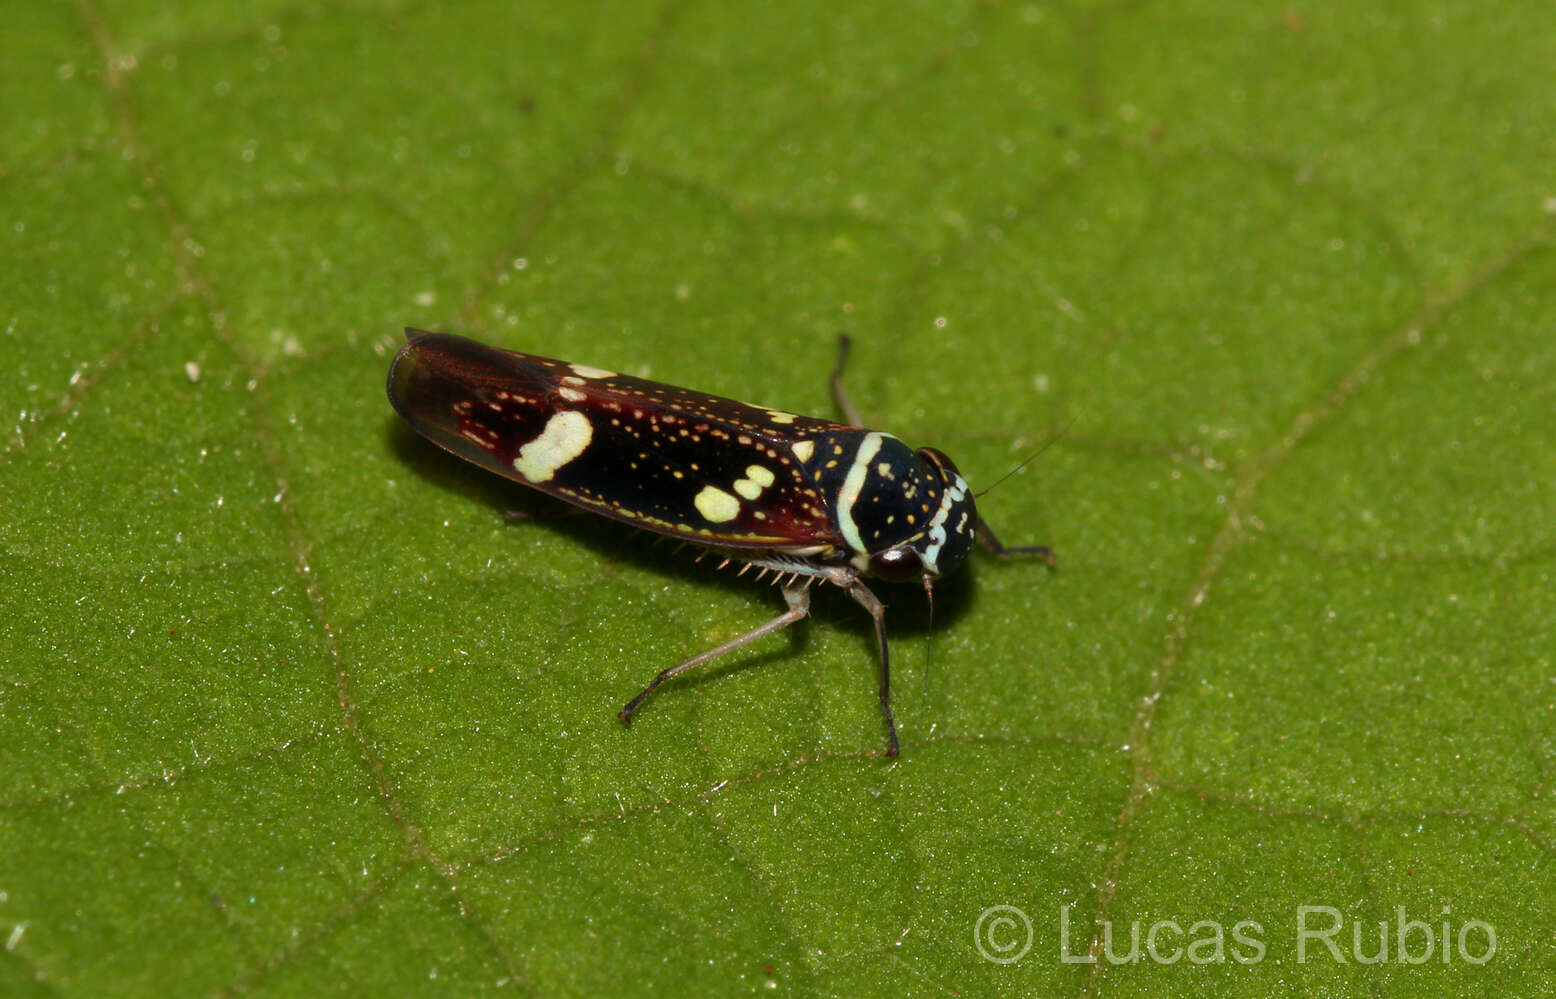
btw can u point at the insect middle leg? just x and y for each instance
(871, 603)
(840, 394)
(798, 597)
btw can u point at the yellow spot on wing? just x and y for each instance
(715, 505)
(757, 478)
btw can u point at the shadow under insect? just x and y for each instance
(914, 624)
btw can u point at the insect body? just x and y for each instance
(805, 498)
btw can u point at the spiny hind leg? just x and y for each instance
(798, 597)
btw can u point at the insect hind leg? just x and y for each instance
(798, 598)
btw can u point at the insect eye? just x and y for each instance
(897, 564)
(940, 460)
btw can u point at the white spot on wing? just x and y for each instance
(584, 371)
(571, 394)
(715, 505)
(565, 437)
(803, 450)
(778, 416)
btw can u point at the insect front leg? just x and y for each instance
(877, 610)
(798, 597)
(991, 541)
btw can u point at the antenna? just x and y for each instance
(1027, 460)
(929, 638)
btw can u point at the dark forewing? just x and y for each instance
(663, 458)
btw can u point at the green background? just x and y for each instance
(288, 709)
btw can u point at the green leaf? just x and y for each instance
(289, 709)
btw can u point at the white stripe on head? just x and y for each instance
(954, 494)
(853, 485)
